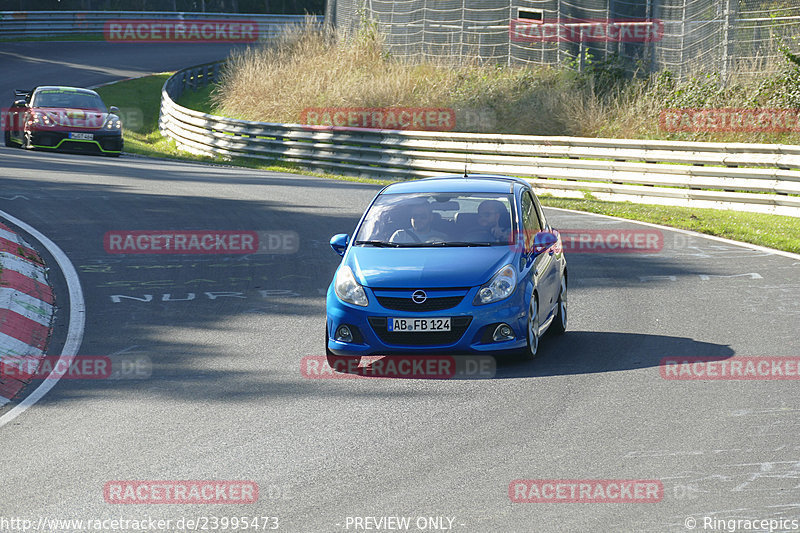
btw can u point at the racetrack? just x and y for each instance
(226, 399)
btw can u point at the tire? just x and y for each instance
(559, 325)
(532, 329)
(9, 142)
(340, 363)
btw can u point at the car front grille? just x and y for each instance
(431, 304)
(458, 326)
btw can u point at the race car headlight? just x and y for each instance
(41, 119)
(113, 123)
(347, 288)
(500, 287)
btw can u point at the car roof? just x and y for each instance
(63, 88)
(457, 183)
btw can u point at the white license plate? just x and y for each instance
(419, 324)
(81, 136)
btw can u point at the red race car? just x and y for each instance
(66, 119)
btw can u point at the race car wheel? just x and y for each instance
(8, 140)
(559, 325)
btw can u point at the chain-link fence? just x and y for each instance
(682, 36)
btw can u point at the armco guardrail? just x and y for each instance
(17, 24)
(748, 177)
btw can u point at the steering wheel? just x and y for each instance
(402, 233)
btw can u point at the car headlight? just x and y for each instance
(41, 119)
(347, 288)
(501, 286)
(113, 123)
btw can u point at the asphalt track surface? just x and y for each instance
(226, 399)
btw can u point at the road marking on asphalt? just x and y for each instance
(77, 318)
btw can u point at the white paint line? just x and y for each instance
(685, 232)
(77, 318)
(26, 305)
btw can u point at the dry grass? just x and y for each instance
(311, 68)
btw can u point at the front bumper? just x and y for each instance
(102, 142)
(471, 327)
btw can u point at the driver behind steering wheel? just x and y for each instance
(420, 231)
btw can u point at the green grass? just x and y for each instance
(200, 100)
(779, 232)
(772, 231)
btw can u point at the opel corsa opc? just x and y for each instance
(447, 265)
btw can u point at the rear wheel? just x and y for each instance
(341, 363)
(559, 325)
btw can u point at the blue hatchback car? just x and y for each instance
(449, 265)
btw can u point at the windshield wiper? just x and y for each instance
(379, 244)
(456, 243)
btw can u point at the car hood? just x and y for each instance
(414, 268)
(75, 118)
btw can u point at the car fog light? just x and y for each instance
(503, 332)
(343, 334)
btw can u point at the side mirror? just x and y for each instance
(544, 240)
(114, 110)
(339, 243)
(20, 103)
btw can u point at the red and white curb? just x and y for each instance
(30, 302)
(26, 308)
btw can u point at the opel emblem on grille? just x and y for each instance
(419, 297)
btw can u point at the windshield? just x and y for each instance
(68, 99)
(438, 219)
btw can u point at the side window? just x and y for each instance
(539, 211)
(530, 220)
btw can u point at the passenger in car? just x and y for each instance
(494, 224)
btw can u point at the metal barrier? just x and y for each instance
(49, 23)
(747, 177)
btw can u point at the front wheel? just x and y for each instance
(560, 321)
(532, 329)
(8, 140)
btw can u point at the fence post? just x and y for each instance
(728, 21)
(683, 40)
